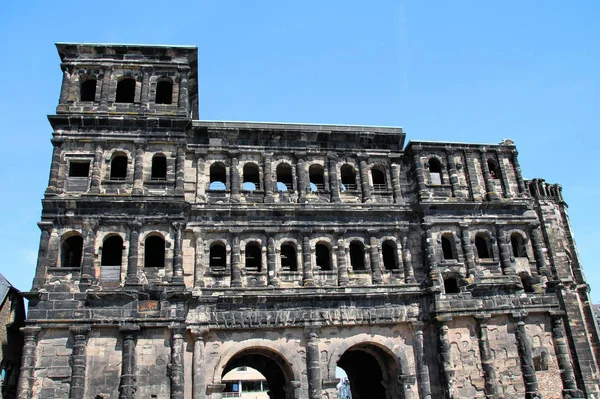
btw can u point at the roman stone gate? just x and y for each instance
(175, 250)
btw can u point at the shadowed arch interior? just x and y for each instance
(270, 364)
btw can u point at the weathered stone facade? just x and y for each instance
(173, 250)
(12, 319)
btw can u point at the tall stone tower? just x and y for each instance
(174, 250)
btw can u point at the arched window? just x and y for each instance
(251, 179)
(253, 257)
(388, 250)
(541, 361)
(493, 167)
(447, 247)
(218, 256)
(88, 90)
(435, 171)
(71, 251)
(378, 176)
(154, 253)
(218, 177)
(482, 243)
(125, 90)
(518, 246)
(284, 177)
(316, 177)
(348, 178)
(164, 91)
(323, 256)
(112, 251)
(451, 285)
(118, 167)
(357, 255)
(159, 167)
(288, 257)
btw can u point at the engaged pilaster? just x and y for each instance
(95, 183)
(176, 366)
(55, 165)
(421, 362)
(526, 356)
(447, 365)
(563, 357)
(236, 267)
(199, 261)
(492, 389)
(375, 261)
(307, 272)
(138, 174)
(132, 261)
(505, 262)
(313, 366)
(198, 366)
(78, 361)
(40, 270)
(127, 384)
(178, 254)
(364, 181)
(180, 171)
(343, 278)
(27, 377)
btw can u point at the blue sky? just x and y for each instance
(474, 71)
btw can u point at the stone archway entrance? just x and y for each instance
(271, 365)
(372, 371)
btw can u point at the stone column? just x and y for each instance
(271, 263)
(90, 228)
(95, 183)
(343, 278)
(128, 383)
(448, 370)
(235, 180)
(334, 185)
(177, 277)
(470, 173)
(430, 261)
(364, 180)
(180, 171)
(78, 361)
(177, 362)
(199, 261)
(505, 259)
(132, 261)
(421, 362)
(504, 178)
(65, 85)
(563, 356)
(492, 388)
(313, 366)
(200, 178)
(526, 355)
(145, 87)
(468, 251)
(40, 271)
(27, 376)
(418, 165)
(198, 366)
(307, 273)
(489, 185)
(409, 273)
(105, 78)
(236, 267)
(456, 191)
(538, 252)
(302, 180)
(138, 172)
(54, 166)
(396, 185)
(375, 261)
(518, 174)
(183, 90)
(268, 179)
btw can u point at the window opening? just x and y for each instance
(79, 169)
(357, 255)
(218, 255)
(218, 177)
(253, 257)
(288, 258)
(378, 179)
(88, 90)
(118, 167)
(451, 285)
(251, 179)
(316, 178)
(159, 167)
(388, 249)
(518, 246)
(154, 255)
(112, 251)
(71, 251)
(447, 248)
(348, 178)
(125, 91)
(435, 171)
(482, 245)
(284, 177)
(493, 167)
(323, 257)
(164, 92)
(540, 362)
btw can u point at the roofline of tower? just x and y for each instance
(299, 126)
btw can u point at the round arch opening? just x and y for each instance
(270, 365)
(371, 373)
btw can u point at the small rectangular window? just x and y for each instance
(79, 169)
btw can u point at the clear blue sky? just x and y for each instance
(474, 71)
